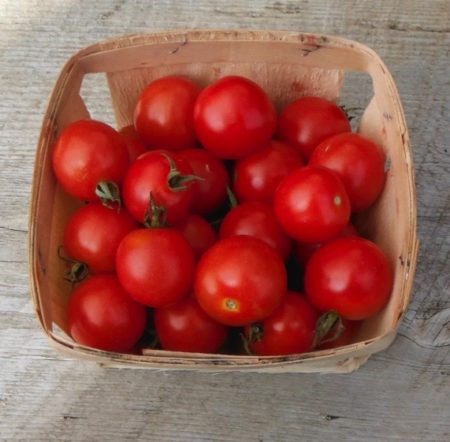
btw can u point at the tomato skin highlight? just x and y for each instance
(93, 234)
(102, 315)
(240, 280)
(164, 113)
(311, 204)
(234, 117)
(257, 175)
(186, 327)
(155, 266)
(306, 122)
(87, 152)
(257, 220)
(289, 330)
(351, 276)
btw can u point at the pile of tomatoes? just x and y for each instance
(212, 218)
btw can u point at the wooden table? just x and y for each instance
(402, 393)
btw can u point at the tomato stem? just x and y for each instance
(232, 197)
(175, 180)
(330, 321)
(255, 334)
(109, 194)
(155, 216)
(77, 271)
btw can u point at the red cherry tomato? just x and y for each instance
(153, 173)
(359, 163)
(186, 327)
(308, 121)
(164, 113)
(259, 221)
(211, 190)
(102, 315)
(93, 234)
(351, 276)
(304, 251)
(257, 176)
(290, 329)
(86, 153)
(234, 117)
(240, 280)
(135, 145)
(345, 338)
(155, 266)
(199, 234)
(312, 205)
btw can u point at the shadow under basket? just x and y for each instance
(287, 65)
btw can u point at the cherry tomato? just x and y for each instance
(135, 145)
(259, 221)
(290, 329)
(312, 205)
(155, 266)
(93, 234)
(211, 190)
(186, 327)
(234, 117)
(165, 176)
(359, 163)
(345, 338)
(257, 176)
(308, 121)
(304, 251)
(351, 276)
(86, 153)
(199, 234)
(102, 315)
(164, 113)
(240, 280)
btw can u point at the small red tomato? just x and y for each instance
(165, 176)
(351, 276)
(350, 328)
(308, 121)
(135, 145)
(211, 189)
(257, 176)
(290, 329)
(164, 113)
(234, 117)
(186, 327)
(240, 280)
(86, 153)
(304, 251)
(312, 205)
(259, 221)
(359, 163)
(93, 234)
(102, 315)
(155, 266)
(199, 234)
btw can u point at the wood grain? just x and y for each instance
(400, 394)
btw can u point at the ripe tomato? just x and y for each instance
(166, 176)
(312, 205)
(257, 176)
(290, 329)
(346, 336)
(86, 153)
(351, 276)
(199, 234)
(135, 145)
(308, 121)
(186, 327)
(259, 221)
(304, 251)
(155, 266)
(240, 280)
(93, 234)
(359, 163)
(211, 190)
(102, 315)
(164, 113)
(234, 117)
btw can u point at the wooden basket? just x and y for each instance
(287, 65)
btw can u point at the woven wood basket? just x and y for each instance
(287, 65)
